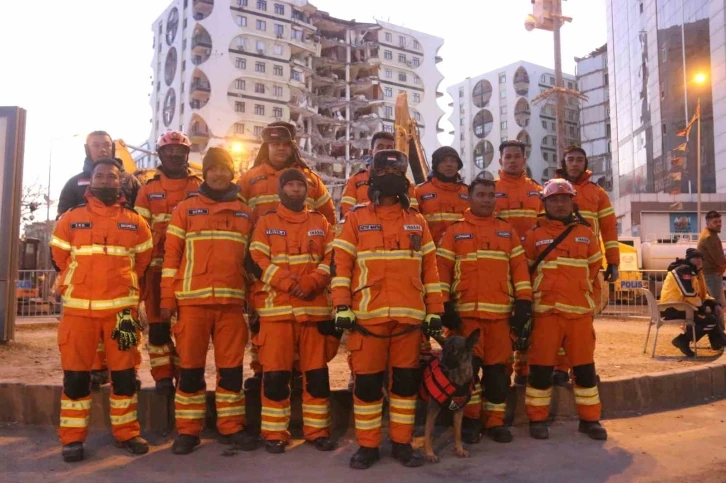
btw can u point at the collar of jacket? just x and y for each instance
(544, 219)
(292, 216)
(387, 212)
(97, 206)
(446, 185)
(584, 177)
(479, 220)
(208, 195)
(513, 179)
(160, 172)
(88, 166)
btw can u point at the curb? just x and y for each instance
(39, 405)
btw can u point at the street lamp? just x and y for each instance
(700, 79)
(50, 159)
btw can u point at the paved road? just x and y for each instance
(680, 446)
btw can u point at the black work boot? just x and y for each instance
(165, 387)
(520, 380)
(323, 444)
(682, 343)
(275, 446)
(244, 440)
(72, 452)
(593, 429)
(254, 383)
(407, 456)
(717, 341)
(135, 445)
(500, 434)
(470, 430)
(98, 379)
(560, 378)
(539, 430)
(364, 458)
(184, 444)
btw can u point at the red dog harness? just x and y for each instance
(441, 389)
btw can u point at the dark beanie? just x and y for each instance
(292, 174)
(442, 153)
(217, 157)
(693, 253)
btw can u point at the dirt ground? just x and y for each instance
(33, 357)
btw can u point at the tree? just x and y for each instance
(33, 197)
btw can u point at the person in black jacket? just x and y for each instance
(99, 145)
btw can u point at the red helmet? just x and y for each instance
(173, 137)
(557, 186)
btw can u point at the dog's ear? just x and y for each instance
(440, 339)
(473, 339)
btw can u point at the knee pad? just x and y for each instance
(406, 382)
(318, 383)
(230, 379)
(540, 377)
(476, 365)
(192, 380)
(160, 333)
(369, 387)
(585, 375)
(276, 385)
(123, 383)
(76, 384)
(496, 383)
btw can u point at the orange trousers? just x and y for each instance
(494, 350)
(163, 358)
(280, 343)
(226, 327)
(78, 340)
(371, 358)
(577, 336)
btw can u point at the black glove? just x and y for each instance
(432, 326)
(327, 327)
(450, 319)
(520, 324)
(253, 321)
(611, 273)
(125, 331)
(344, 318)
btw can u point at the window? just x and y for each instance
(239, 128)
(503, 125)
(572, 131)
(239, 106)
(277, 91)
(260, 67)
(402, 76)
(605, 79)
(240, 43)
(389, 73)
(478, 130)
(546, 156)
(259, 109)
(387, 54)
(184, 65)
(663, 54)
(278, 49)
(279, 30)
(185, 26)
(240, 84)
(504, 139)
(388, 92)
(241, 20)
(416, 45)
(416, 97)
(389, 37)
(240, 63)
(503, 110)
(261, 25)
(401, 41)
(296, 76)
(544, 124)
(544, 141)
(276, 112)
(402, 58)
(297, 35)
(416, 61)
(261, 4)
(416, 79)
(277, 70)
(502, 78)
(388, 128)
(260, 46)
(552, 80)
(388, 112)
(503, 94)
(242, 3)
(570, 85)
(461, 123)
(279, 9)
(259, 88)
(461, 92)
(258, 131)
(607, 129)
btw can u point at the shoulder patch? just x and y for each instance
(543, 242)
(272, 231)
(464, 196)
(192, 194)
(533, 193)
(428, 196)
(156, 196)
(82, 225)
(370, 228)
(242, 214)
(357, 207)
(198, 211)
(582, 239)
(316, 233)
(500, 194)
(257, 178)
(128, 226)
(84, 182)
(358, 184)
(464, 236)
(504, 234)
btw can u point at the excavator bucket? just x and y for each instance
(122, 153)
(409, 141)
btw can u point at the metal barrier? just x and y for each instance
(624, 301)
(36, 293)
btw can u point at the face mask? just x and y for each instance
(108, 196)
(389, 184)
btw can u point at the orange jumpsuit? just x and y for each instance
(203, 274)
(519, 203)
(563, 315)
(441, 204)
(290, 247)
(155, 202)
(356, 192)
(470, 247)
(102, 252)
(386, 272)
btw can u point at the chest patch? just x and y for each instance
(83, 225)
(463, 196)
(412, 227)
(504, 234)
(533, 193)
(273, 231)
(157, 196)
(192, 193)
(582, 239)
(369, 228)
(428, 196)
(500, 195)
(241, 214)
(128, 226)
(84, 182)
(543, 242)
(198, 211)
(464, 236)
(257, 178)
(316, 233)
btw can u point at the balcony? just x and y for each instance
(200, 87)
(202, 8)
(201, 42)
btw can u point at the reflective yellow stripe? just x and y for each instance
(161, 217)
(372, 424)
(607, 211)
(169, 272)
(401, 418)
(366, 410)
(444, 253)
(428, 248)
(217, 235)
(595, 258)
(143, 212)
(189, 414)
(259, 200)
(317, 423)
(160, 361)
(315, 408)
(345, 246)
(273, 426)
(229, 398)
(538, 397)
(97, 249)
(233, 411)
(484, 307)
(523, 213)
(124, 403)
(561, 352)
(176, 231)
(348, 200)
(436, 217)
(484, 255)
(187, 400)
(572, 309)
(126, 418)
(296, 259)
(62, 244)
(432, 288)
(516, 252)
(391, 312)
(74, 422)
(402, 403)
(494, 407)
(260, 247)
(156, 262)
(118, 303)
(612, 244)
(523, 286)
(142, 247)
(269, 272)
(587, 396)
(276, 412)
(343, 282)
(321, 201)
(81, 405)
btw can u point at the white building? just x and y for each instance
(222, 71)
(497, 106)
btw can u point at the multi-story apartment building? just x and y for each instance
(498, 106)
(225, 69)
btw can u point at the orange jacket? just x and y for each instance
(356, 192)
(205, 249)
(260, 185)
(474, 246)
(102, 252)
(518, 201)
(563, 281)
(155, 202)
(288, 247)
(594, 205)
(385, 264)
(441, 204)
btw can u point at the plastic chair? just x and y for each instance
(658, 321)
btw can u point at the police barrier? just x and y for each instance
(623, 297)
(36, 294)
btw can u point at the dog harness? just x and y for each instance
(437, 386)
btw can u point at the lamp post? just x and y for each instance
(699, 79)
(50, 159)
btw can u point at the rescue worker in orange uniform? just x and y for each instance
(291, 249)
(477, 244)
(593, 204)
(386, 289)
(564, 257)
(259, 189)
(203, 277)
(356, 188)
(102, 249)
(443, 198)
(519, 203)
(172, 183)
